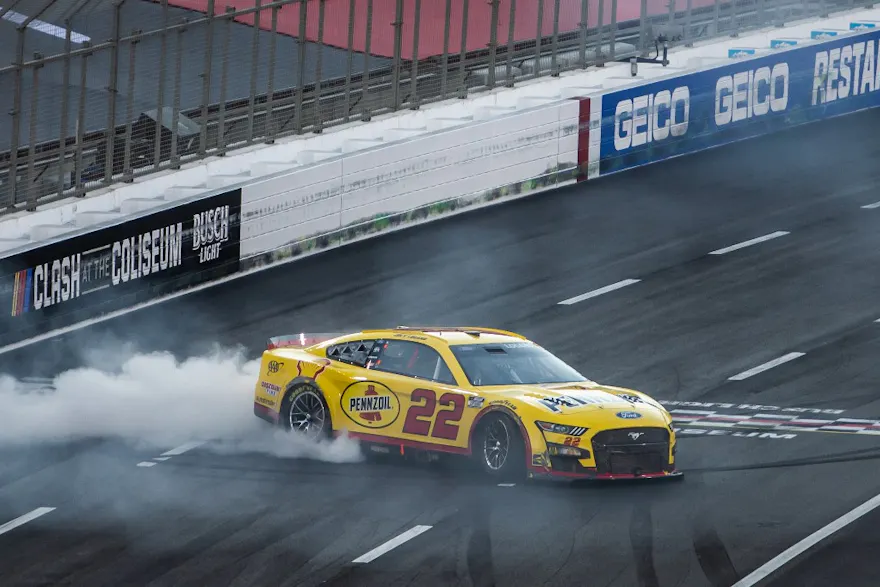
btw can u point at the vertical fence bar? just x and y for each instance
(65, 104)
(349, 59)
(734, 20)
(414, 69)
(30, 193)
(112, 93)
(270, 83)
(643, 25)
(511, 47)
(80, 123)
(366, 111)
(16, 117)
(462, 58)
(717, 18)
(613, 42)
(554, 66)
(584, 26)
(160, 97)
(224, 80)
(175, 111)
(129, 113)
(600, 35)
(395, 63)
(255, 60)
(319, 74)
(539, 29)
(300, 68)
(493, 42)
(444, 59)
(688, 24)
(762, 16)
(206, 79)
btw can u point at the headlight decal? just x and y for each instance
(561, 428)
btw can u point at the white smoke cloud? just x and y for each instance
(154, 400)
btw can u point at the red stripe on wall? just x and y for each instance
(583, 139)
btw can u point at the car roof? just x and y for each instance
(450, 335)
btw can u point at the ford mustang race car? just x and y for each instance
(493, 395)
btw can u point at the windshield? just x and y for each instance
(519, 363)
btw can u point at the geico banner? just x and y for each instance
(119, 266)
(748, 98)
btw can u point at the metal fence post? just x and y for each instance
(600, 35)
(160, 97)
(255, 60)
(319, 123)
(643, 25)
(175, 112)
(444, 59)
(511, 47)
(734, 24)
(613, 42)
(16, 117)
(584, 27)
(30, 193)
(206, 78)
(414, 69)
(65, 104)
(81, 122)
(270, 85)
(300, 68)
(395, 64)
(112, 93)
(539, 35)
(493, 42)
(127, 174)
(462, 58)
(349, 59)
(224, 80)
(688, 24)
(366, 111)
(554, 66)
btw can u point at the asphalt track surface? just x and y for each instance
(693, 321)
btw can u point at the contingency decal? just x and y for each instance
(323, 363)
(370, 404)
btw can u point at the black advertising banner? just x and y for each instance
(119, 266)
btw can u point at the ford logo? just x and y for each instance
(628, 415)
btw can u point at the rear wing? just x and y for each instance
(301, 340)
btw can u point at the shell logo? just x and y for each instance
(370, 404)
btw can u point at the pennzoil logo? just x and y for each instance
(370, 404)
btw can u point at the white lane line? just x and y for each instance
(45, 27)
(146, 464)
(507, 485)
(871, 206)
(391, 544)
(766, 366)
(749, 243)
(161, 459)
(21, 520)
(183, 448)
(788, 555)
(598, 292)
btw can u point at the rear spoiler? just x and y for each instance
(301, 340)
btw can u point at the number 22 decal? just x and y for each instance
(424, 404)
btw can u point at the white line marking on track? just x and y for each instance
(21, 520)
(391, 544)
(161, 459)
(791, 553)
(45, 27)
(507, 485)
(146, 464)
(766, 366)
(871, 206)
(749, 243)
(598, 292)
(183, 448)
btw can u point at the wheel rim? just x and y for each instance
(496, 446)
(307, 414)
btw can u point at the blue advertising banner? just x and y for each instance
(690, 113)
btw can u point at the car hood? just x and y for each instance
(573, 399)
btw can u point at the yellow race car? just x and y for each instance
(493, 395)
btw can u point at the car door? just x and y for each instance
(431, 405)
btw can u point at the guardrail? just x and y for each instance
(169, 134)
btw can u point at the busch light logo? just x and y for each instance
(629, 415)
(752, 93)
(652, 117)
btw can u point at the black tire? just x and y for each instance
(305, 410)
(499, 449)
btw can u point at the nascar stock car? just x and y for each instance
(493, 395)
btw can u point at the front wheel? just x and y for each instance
(499, 448)
(304, 410)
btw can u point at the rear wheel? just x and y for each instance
(305, 410)
(499, 448)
